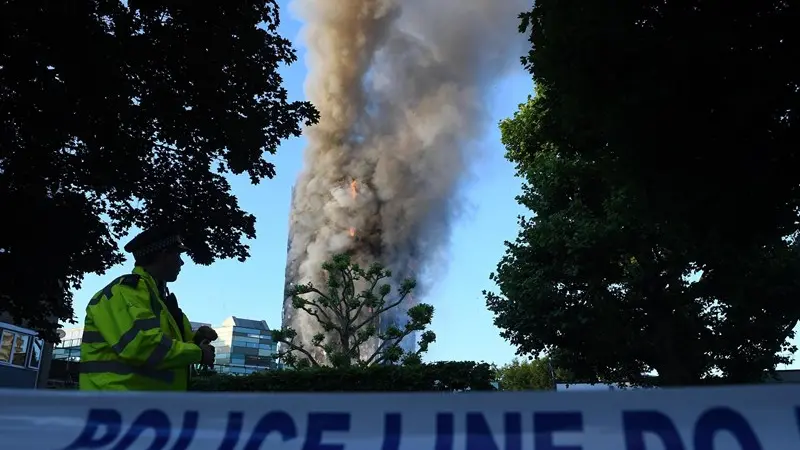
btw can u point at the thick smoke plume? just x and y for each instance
(401, 86)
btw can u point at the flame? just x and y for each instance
(352, 232)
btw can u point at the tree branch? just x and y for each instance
(382, 357)
(298, 348)
(371, 290)
(383, 345)
(315, 314)
(313, 290)
(347, 284)
(354, 347)
(375, 314)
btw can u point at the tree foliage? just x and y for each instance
(349, 312)
(531, 375)
(654, 160)
(119, 114)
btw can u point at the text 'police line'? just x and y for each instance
(104, 428)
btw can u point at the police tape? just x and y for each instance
(746, 418)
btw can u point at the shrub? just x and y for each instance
(440, 376)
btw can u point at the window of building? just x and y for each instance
(20, 356)
(36, 353)
(239, 340)
(247, 330)
(6, 346)
(67, 353)
(15, 349)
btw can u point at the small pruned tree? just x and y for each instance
(351, 314)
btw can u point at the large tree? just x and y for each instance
(349, 311)
(657, 156)
(695, 101)
(119, 114)
(614, 287)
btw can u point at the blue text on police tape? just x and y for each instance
(104, 428)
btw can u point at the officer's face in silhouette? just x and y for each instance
(167, 266)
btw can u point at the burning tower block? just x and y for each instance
(364, 251)
(402, 88)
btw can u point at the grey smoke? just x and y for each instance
(402, 88)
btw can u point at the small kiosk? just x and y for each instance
(20, 357)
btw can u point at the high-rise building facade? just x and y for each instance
(244, 346)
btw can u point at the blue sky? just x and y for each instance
(254, 289)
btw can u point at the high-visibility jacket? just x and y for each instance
(131, 342)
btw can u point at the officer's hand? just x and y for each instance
(205, 333)
(209, 355)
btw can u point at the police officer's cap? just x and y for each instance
(155, 240)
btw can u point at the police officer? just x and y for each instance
(135, 336)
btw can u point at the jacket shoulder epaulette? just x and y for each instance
(131, 280)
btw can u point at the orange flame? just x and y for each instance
(352, 232)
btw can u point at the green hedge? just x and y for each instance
(441, 376)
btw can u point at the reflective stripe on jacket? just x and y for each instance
(132, 343)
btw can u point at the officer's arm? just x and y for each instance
(134, 331)
(187, 330)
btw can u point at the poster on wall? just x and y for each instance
(6, 345)
(20, 356)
